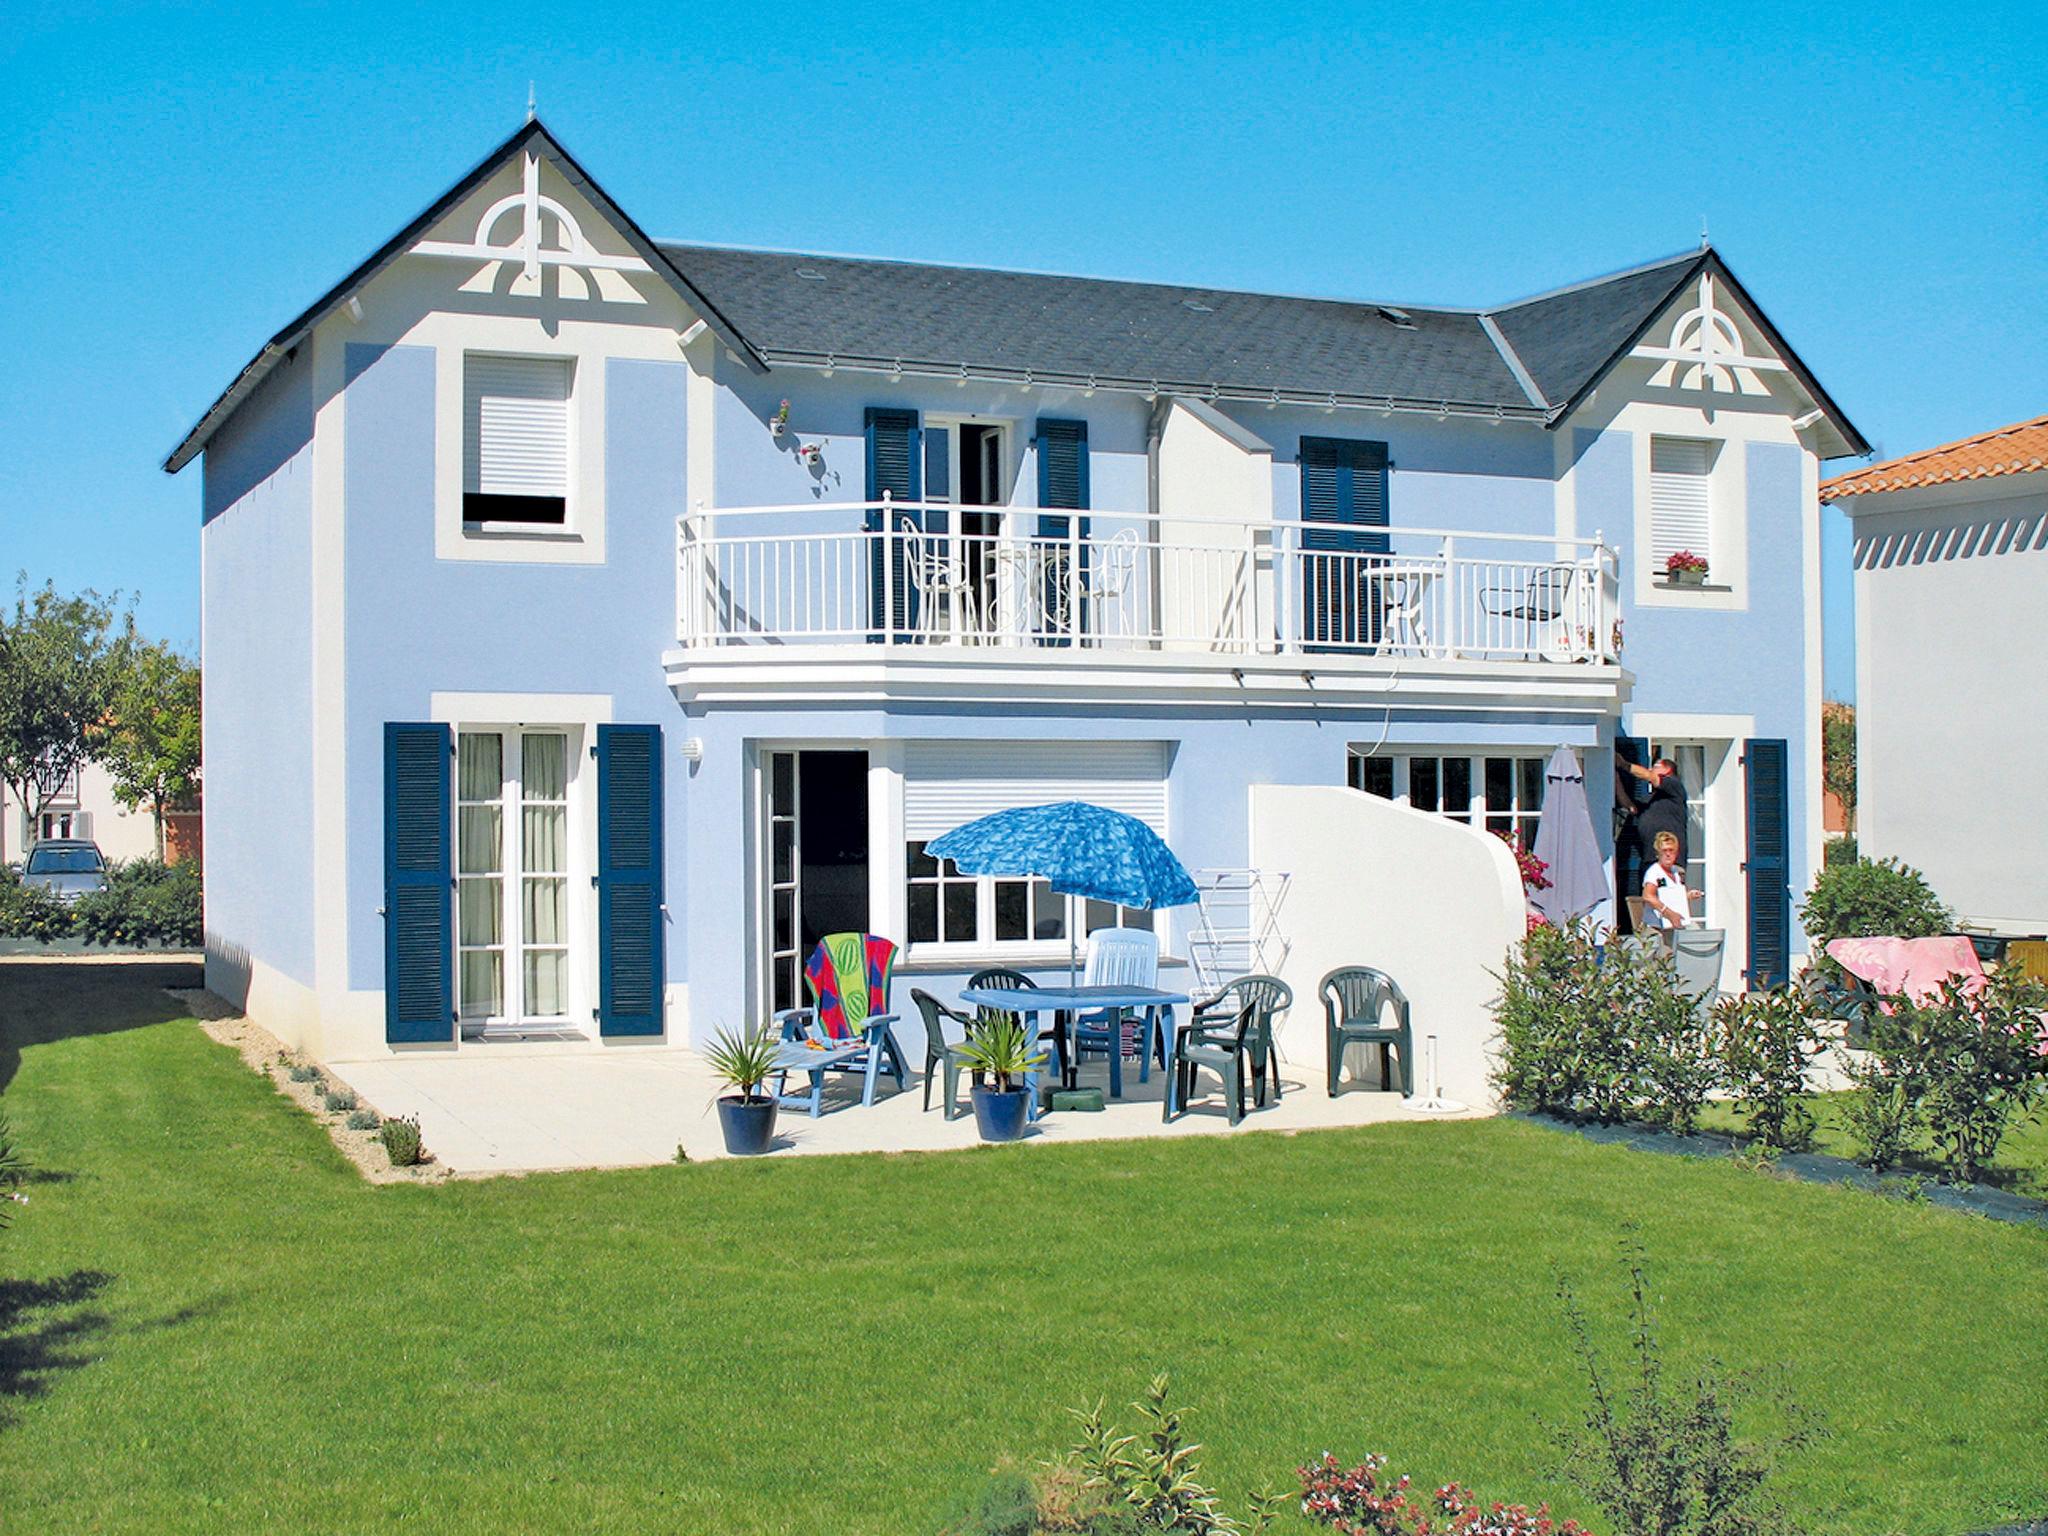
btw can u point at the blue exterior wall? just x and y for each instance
(417, 625)
(257, 563)
(1751, 661)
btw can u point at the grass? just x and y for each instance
(2020, 1166)
(213, 1324)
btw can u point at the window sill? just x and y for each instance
(1663, 585)
(537, 532)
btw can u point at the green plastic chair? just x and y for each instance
(1240, 1035)
(1355, 1001)
(1048, 1029)
(941, 1054)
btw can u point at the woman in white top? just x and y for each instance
(1666, 901)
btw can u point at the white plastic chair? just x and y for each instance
(1117, 957)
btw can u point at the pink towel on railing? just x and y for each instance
(1914, 967)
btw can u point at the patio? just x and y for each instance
(504, 1109)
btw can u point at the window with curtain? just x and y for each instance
(511, 882)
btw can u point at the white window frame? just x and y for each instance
(472, 447)
(512, 876)
(1522, 817)
(1727, 585)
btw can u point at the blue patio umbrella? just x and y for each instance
(1077, 848)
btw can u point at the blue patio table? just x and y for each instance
(1032, 1001)
(796, 1056)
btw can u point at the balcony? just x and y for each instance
(896, 599)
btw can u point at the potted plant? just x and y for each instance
(1001, 1050)
(1686, 569)
(742, 1060)
(779, 422)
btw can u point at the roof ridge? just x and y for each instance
(1611, 277)
(1961, 442)
(1947, 463)
(1458, 310)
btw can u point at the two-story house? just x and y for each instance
(593, 621)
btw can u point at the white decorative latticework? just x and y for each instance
(531, 231)
(1706, 350)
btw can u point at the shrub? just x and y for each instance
(145, 903)
(1005, 1505)
(1660, 1463)
(1765, 1042)
(363, 1120)
(30, 912)
(1361, 1502)
(1153, 1478)
(304, 1072)
(1970, 1063)
(1882, 1115)
(1593, 1032)
(338, 1099)
(1838, 850)
(1870, 898)
(401, 1140)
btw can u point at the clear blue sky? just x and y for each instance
(185, 180)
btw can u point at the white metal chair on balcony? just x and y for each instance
(946, 607)
(1108, 577)
(1539, 610)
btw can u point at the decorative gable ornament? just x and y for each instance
(1705, 351)
(541, 233)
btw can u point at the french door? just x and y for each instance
(512, 880)
(814, 859)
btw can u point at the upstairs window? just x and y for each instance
(1681, 499)
(515, 440)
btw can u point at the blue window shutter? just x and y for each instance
(1768, 865)
(630, 923)
(1062, 482)
(895, 467)
(419, 884)
(1343, 493)
(1628, 858)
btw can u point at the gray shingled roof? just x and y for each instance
(799, 308)
(1566, 339)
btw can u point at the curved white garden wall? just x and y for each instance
(1434, 904)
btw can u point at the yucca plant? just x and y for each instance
(1001, 1049)
(743, 1059)
(13, 1169)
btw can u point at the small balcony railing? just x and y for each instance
(901, 573)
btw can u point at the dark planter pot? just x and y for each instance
(749, 1124)
(1693, 578)
(999, 1114)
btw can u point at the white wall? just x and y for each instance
(1209, 468)
(1434, 904)
(1951, 648)
(121, 834)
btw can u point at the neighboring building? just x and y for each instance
(84, 807)
(1951, 648)
(556, 685)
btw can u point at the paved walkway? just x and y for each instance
(497, 1109)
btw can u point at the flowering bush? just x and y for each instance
(1685, 560)
(1360, 1501)
(1535, 873)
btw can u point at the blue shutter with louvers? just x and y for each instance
(419, 884)
(1062, 482)
(895, 469)
(1628, 856)
(1343, 494)
(630, 937)
(1768, 867)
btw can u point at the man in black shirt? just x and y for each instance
(1664, 811)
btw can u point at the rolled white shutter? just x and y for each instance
(948, 783)
(515, 425)
(1680, 515)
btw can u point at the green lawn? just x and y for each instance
(257, 1339)
(2021, 1164)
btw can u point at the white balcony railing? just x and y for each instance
(900, 573)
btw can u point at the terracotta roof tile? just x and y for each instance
(2012, 450)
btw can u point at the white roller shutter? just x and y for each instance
(1680, 507)
(515, 436)
(947, 783)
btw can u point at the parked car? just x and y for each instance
(67, 868)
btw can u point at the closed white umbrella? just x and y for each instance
(1565, 842)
